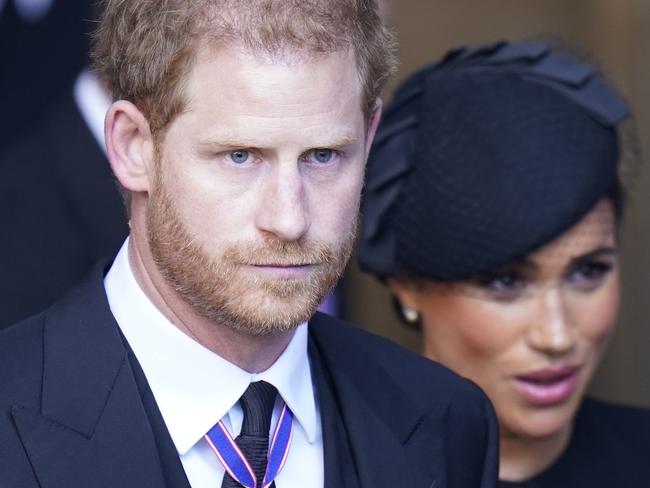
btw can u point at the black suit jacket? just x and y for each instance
(60, 212)
(72, 413)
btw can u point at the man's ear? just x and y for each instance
(373, 123)
(129, 145)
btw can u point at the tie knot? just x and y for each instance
(257, 403)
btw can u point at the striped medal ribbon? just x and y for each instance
(236, 464)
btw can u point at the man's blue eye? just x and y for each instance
(323, 155)
(240, 156)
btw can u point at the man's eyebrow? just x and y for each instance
(232, 143)
(225, 144)
(339, 143)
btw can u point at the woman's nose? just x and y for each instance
(552, 331)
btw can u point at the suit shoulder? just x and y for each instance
(20, 337)
(21, 359)
(454, 407)
(415, 373)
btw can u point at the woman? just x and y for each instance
(491, 210)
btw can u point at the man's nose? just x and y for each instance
(283, 209)
(552, 331)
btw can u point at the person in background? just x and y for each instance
(239, 134)
(43, 46)
(492, 210)
(60, 201)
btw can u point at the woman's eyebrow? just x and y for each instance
(596, 253)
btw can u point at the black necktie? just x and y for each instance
(253, 441)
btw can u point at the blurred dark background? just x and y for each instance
(43, 46)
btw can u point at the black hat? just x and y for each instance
(484, 157)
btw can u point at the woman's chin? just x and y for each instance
(539, 422)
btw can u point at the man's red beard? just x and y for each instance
(224, 288)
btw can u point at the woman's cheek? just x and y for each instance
(599, 314)
(469, 334)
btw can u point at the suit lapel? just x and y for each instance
(393, 443)
(91, 429)
(339, 471)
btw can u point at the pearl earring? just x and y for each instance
(411, 315)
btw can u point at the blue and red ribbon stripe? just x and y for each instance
(278, 455)
(236, 464)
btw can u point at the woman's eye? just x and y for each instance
(507, 281)
(240, 156)
(503, 286)
(589, 275)
(321, 156)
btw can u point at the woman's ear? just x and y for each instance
(406, 300)
(129, 146)
(406, 292)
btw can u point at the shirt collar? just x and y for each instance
(194, 387)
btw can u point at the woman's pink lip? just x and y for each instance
(548, 386)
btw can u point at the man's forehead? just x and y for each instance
(244, 83)
(235, 99)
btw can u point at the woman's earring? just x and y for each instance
(411, 315)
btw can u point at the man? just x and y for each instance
(239, 135)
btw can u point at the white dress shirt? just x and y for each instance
(195, 388)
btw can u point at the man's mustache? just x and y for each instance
(275, 252)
